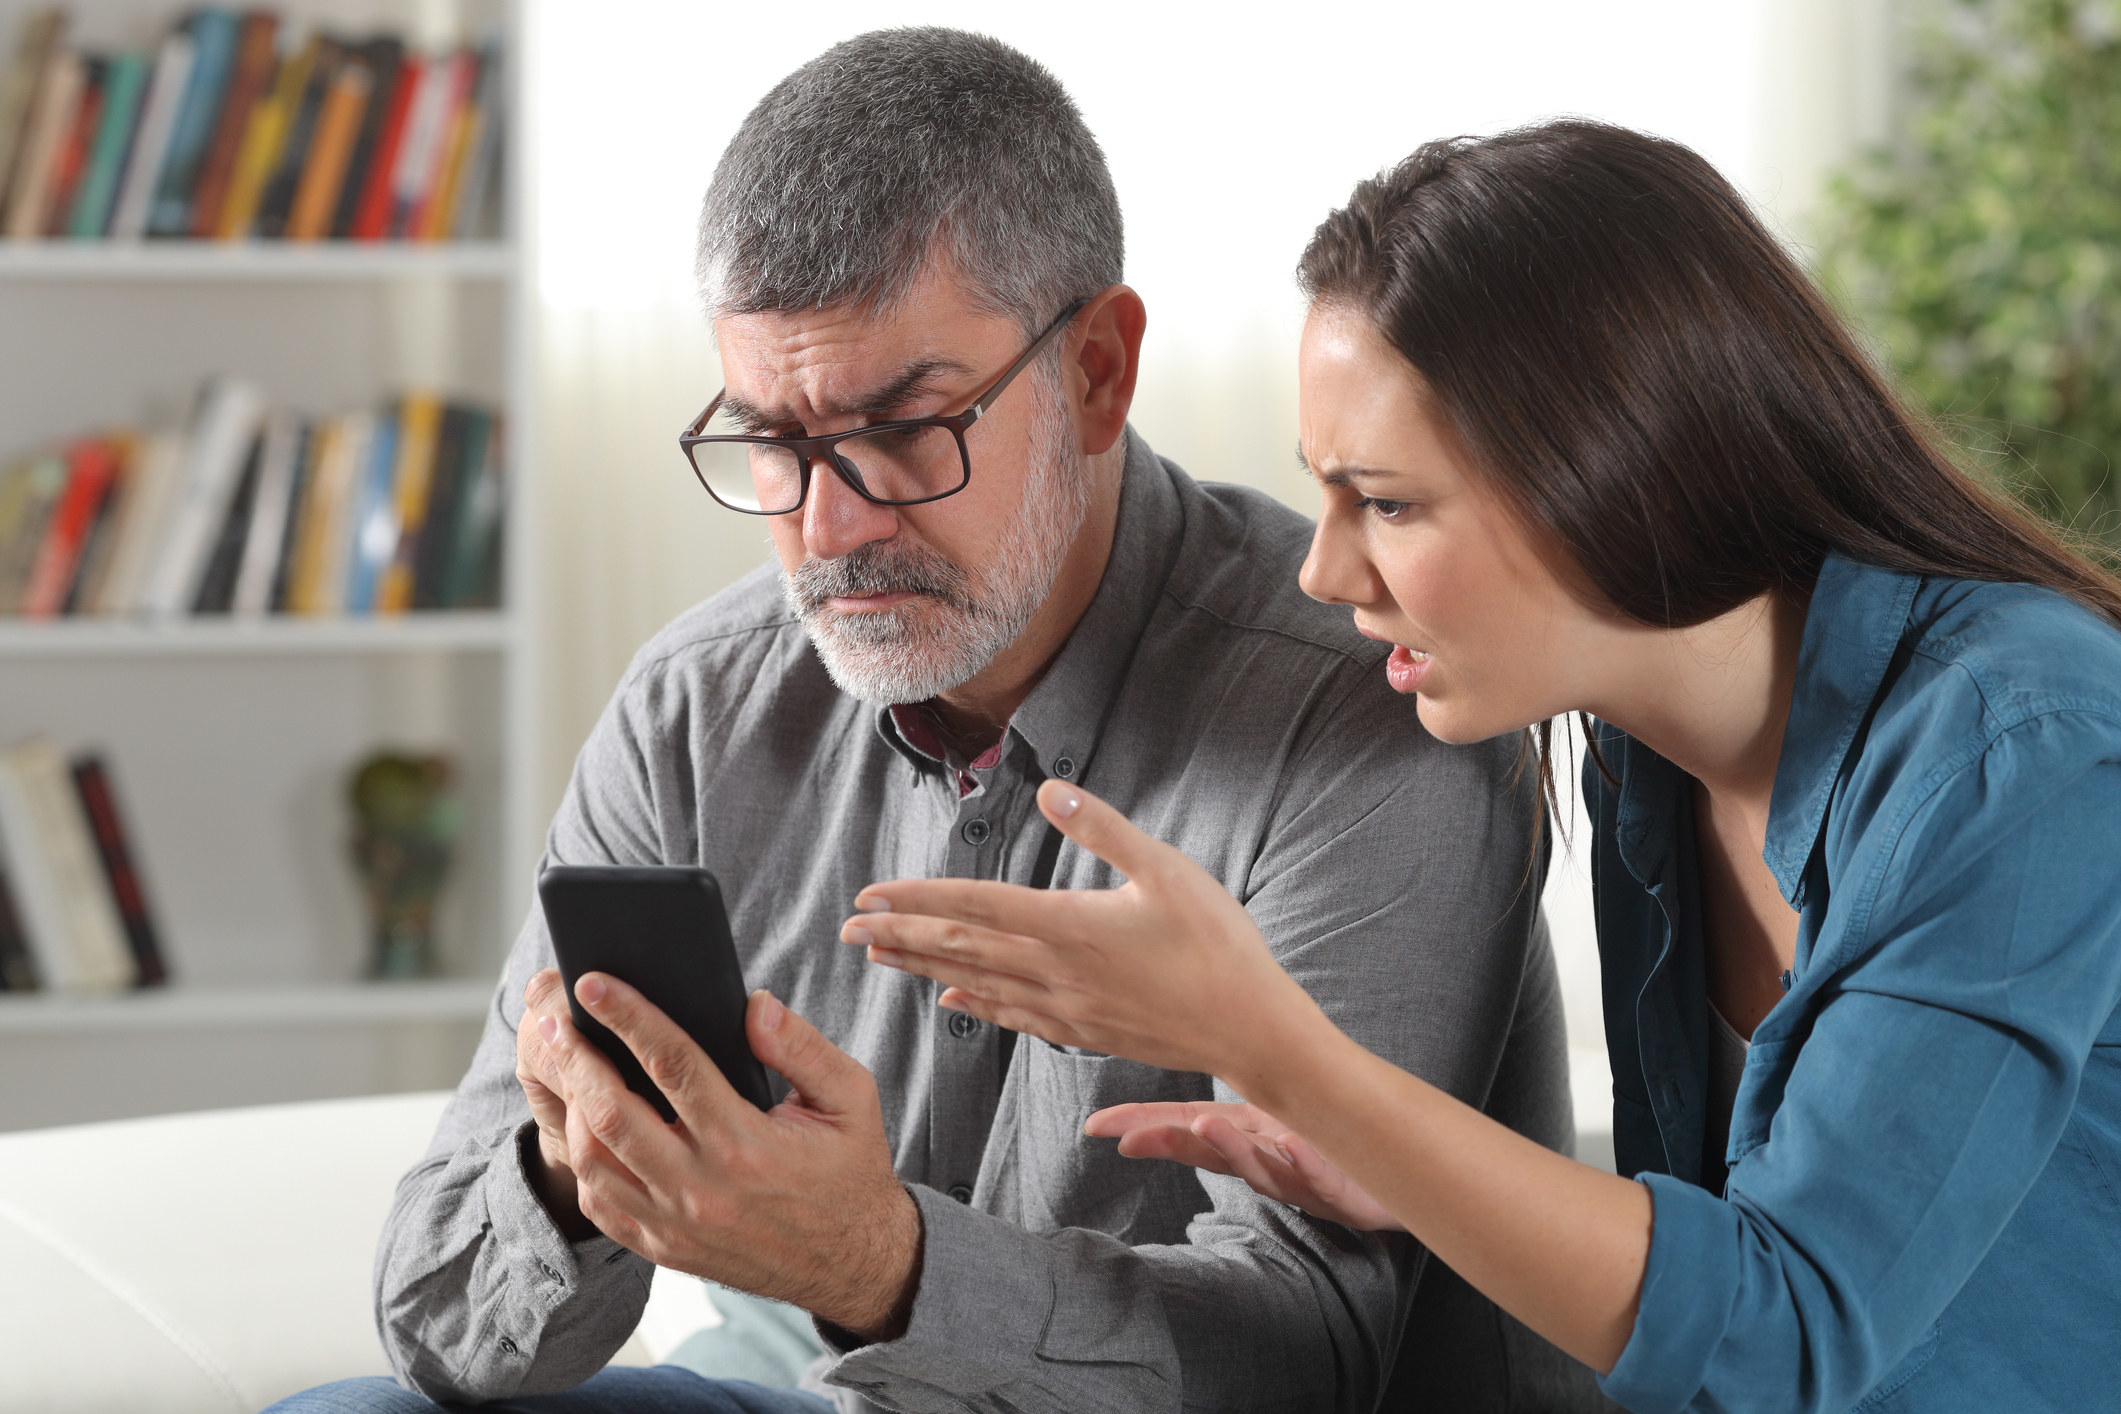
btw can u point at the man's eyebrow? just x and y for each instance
(891, 396)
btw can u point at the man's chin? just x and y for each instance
(886, 671)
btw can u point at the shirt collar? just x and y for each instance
(1061, 718)
(1857, 617)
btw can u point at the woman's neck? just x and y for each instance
(1713, 699)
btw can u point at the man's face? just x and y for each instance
(907, 602)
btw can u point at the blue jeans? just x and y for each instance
(659, 1389)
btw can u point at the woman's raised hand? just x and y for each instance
(1248, 1143)
(1168, 970)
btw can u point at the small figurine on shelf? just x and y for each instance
(406, 819)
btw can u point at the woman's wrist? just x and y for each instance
(1284, 1057)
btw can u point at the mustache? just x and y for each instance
(880, 567)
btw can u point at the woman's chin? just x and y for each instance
(1457, 723)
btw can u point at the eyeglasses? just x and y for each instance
(904, 463)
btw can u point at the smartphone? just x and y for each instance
(663, 931)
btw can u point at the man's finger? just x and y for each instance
(545, 991)
(1248, 1157)
(827, 1077)
(692, 1083)
(1175, 1143)
(1054, 915)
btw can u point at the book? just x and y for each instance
(475, 558)
(213, 36)
(124, 84)
(318, 575)
(371, 220)
(435, 215)
(152, 466)
(58, 92)
(265, 540)
(42, 33)
(28, 492)
(373, 526)
(460, 436)
(217, 444)
(420, 150)
(217, 581)
(279, 196)
(297, 491)
(158, 120)
(71, 160)
(121, 870)
(18, 967)
(385, 58)
(90, 470)
(250, 76)
(96, 546)
(477, 203)
(259, 154)
(419, 429)
(316, 199)
(69, 917)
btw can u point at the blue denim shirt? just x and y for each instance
(1921, 1209)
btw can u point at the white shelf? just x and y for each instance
(181, 1008)
(483, 631)
(254, 260)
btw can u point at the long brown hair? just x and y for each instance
(1643, 374)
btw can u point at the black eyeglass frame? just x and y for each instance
(808, 450)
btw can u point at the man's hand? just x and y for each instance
(798, 1204)
(538, 1072)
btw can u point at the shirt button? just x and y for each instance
(960, 1192)
(962, 1025)
(508, 1347)
(1064, 767)
(976, 832)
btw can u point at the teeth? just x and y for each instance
(1417, 655)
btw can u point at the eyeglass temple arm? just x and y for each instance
(1001, 385)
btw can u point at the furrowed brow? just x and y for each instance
(889, 397)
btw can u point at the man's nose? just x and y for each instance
(836, 520)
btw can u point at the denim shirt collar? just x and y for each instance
(1857, 617)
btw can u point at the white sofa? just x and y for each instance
(218, 1261)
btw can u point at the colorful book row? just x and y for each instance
(74, 915)
(251, 512)
(242, 125)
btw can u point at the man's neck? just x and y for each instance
(976, 713)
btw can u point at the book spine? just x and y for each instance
(36, 890)
(383, 58)
(31, 493)
(425, 129)
(338, 125)
(150, 491)
(218, 443)
(90, 929)
(375, 519)
(18, 966)
(251, 73)
(102, 531)
(72, 158)
(279, 198)
(217, 583)
(123, 90)
(158, 118)
(213, 35)
(57, 96)
(439, 527)
(419, 428)
(372, 213)
(268, 517)
(42, 33)
(114, 849)
(477, 207)
(297, 497)
(437, 210)
(474, 563)
(90, 470)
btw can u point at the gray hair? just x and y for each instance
(899, 148)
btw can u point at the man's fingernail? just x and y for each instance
(856, 934)
(590, 989)
(549, 1028)
(770, 1012)
(1286, 1157)
(872, 903)
(1065, 802)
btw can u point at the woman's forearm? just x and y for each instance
(1558, 1244)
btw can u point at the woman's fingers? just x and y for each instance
(1106, 833)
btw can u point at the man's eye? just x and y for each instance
(1382, 509)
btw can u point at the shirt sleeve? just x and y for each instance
(478, 1294)
(1396, 885)
(1967, 983)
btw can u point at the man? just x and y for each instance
(917, 227)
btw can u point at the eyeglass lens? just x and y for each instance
(891, 464)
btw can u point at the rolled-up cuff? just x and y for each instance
(1688, 1289)
(537, 1256)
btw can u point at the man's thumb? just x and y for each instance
(826, 1076)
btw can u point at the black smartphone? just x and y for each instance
(663, 931)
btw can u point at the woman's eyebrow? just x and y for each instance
(910, 381)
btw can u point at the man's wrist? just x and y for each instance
(554, 1185)
(883, 1308)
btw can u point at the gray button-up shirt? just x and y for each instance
(1223, 711)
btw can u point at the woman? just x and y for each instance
(1589, 442)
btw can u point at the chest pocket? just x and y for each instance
(1043, 1172)
(1760, 1090)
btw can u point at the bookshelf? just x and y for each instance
(230, 739)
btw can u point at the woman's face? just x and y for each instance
(1487, 637)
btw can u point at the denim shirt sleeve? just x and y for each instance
(1975, 961)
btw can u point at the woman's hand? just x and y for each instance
(1168, 970)
(1248, 1143)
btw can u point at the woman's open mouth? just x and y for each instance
(1406, 668)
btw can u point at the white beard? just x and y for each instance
(963, 617)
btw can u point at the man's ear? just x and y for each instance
(1105, 365)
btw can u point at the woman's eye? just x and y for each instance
(1382, 509)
